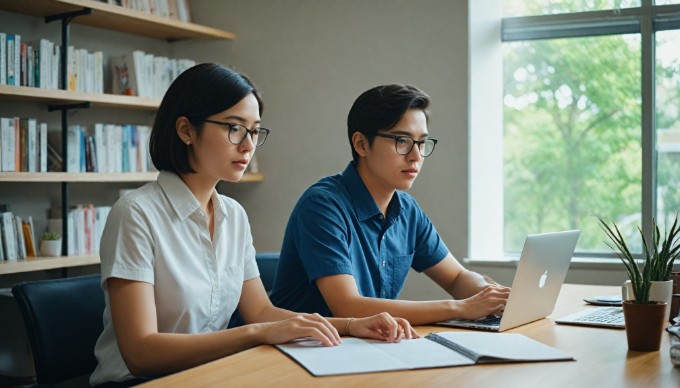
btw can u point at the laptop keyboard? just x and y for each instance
(605, 315)
(491, 320)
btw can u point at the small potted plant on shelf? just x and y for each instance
(50, 244)
(645, 312)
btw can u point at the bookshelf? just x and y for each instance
(107, 17)
(45, 263)
(117, 18)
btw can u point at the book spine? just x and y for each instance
(453, 346)
(3, 58)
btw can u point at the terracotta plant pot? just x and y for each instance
(644, 325)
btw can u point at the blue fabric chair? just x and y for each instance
(267, 263)
(63, 319)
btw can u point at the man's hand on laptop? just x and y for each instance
(489, 301)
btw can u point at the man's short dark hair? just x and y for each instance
(199, 92)
(381, 108)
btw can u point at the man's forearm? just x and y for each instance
(416, 312)
(467, 284)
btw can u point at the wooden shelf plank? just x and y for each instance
(117, 18)
(55, 96)
(93, 177)
(42, 263)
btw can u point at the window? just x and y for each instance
(590, 118)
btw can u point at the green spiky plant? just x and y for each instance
(50, 236)
(658, 258)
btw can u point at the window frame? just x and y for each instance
(645, 20)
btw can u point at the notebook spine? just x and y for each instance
(453, 346)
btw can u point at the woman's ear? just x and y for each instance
(360, 143)
(184, 130)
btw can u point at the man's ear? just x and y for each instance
(184, 130)
(360, 143)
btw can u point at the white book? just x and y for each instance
(100, 215)
(98, 72)
(31, 126)
(73, 141)
(110, 132)
(8, 236)
(71, 69)
(17, 60)
(3, 58)
(8, 144)
(56, 61)
(45, 64)
(89, 73)
(144, 133)
(100, 147)
(147, 81)
(42, 150)
(21, 243)
(139, 72)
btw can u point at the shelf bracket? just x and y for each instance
(65, 107)
(66, 17)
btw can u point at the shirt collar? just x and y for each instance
(181, 198)
(364, 204)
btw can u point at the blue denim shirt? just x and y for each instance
(337, 228)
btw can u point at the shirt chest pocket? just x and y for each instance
(396, 268)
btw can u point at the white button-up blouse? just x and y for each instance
(158, 234)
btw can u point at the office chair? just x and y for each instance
(266, 263)
(63, 319)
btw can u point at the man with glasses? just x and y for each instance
(352, 237)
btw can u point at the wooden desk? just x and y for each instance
(602, 360)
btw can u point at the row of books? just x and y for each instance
(24, 145)
(17, 235)
(173, 9)
(85, 228)
(145, 75)
(37, 64)
(108, 148)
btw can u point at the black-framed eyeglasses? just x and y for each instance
(404, 144)
(238, 133)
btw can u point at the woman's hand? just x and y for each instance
(300, 326)
(381, 327)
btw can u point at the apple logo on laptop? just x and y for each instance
(541, 282)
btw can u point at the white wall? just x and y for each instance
(311, 59)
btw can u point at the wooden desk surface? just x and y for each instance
(602, 360)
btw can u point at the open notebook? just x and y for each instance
(435, 350)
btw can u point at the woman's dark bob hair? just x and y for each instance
(199, 92)
(381, 108)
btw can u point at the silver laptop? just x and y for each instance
(596, 316)
(542, 268)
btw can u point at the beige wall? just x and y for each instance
(311, 59)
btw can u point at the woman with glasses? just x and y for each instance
(352, 237)
(177, 258)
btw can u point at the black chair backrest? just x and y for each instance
(63, 319)
(266, 263)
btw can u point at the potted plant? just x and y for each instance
(50, 244)
(644, 313)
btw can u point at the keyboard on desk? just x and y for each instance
(601, 316)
